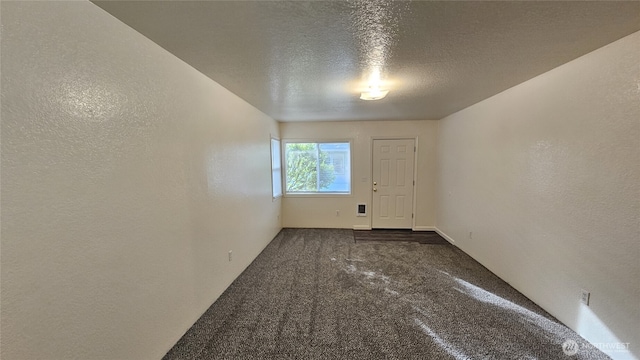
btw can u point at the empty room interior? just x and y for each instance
(320, 179)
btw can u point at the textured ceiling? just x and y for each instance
(309, 60)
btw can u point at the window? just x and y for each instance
(337, 160)
(276, 169)
(317, 167)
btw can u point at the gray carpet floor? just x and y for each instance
(317, 294)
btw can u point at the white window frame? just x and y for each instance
(284, 143)
(276, 167)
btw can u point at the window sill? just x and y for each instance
(318, 195)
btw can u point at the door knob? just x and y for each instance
(375, 183)
(374, 189)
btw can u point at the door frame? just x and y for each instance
(415, 174)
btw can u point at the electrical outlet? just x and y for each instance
(230, 255)
(585, 296)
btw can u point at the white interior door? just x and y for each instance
(393, 183)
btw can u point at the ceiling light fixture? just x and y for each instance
(374, 93)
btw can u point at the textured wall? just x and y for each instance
(545, 176)
(127, 176)
(320, 211)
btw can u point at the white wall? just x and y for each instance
(127, 176)
(546, 176)
(320, 212)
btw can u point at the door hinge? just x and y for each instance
(412, 216)
(414, 183)
(414, 149)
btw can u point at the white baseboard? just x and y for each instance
(445, 236)
(424, 228)
(361, 227)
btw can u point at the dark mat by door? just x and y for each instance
(422, 237)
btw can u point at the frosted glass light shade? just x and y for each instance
(374, 94)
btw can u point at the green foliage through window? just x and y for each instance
(311, 167)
